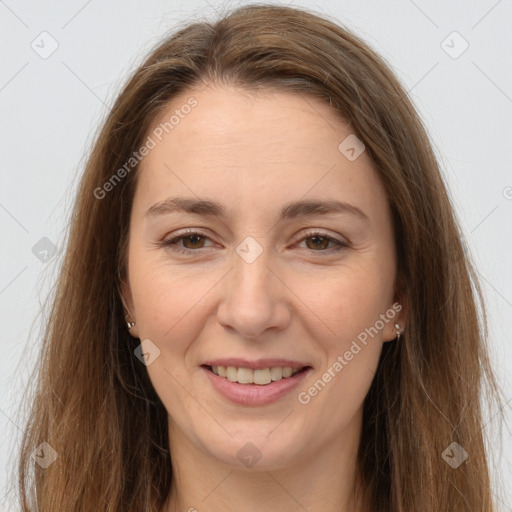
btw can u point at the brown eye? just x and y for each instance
(194, 241)
(187, 243)
(319, 242)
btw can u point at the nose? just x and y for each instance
(254, 298)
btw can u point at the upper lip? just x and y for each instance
(258, 364)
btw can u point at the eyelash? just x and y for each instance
(171, 243)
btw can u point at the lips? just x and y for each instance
(251, 394)
(255, 383)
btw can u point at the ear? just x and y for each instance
(126, 298)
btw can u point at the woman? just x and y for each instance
(266, 302)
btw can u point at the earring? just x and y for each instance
(398, 332)
(128, 323)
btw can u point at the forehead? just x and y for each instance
(228, 118)
(249, 147)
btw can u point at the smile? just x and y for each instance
(245, 386)
(261, 377)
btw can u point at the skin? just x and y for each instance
(255, 153)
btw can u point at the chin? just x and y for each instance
(256, 451)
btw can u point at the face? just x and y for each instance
(259, 278)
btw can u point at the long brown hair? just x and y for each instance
(94, 403)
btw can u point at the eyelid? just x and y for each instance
(178, 235)
(340, 244)
(311, 232)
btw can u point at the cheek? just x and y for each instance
(343, 395)
(168, 302)
(351, 342)
(343, 303)
(348, 326)
(356, 307)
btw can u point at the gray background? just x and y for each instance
(51, 108)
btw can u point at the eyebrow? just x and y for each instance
(289, 211)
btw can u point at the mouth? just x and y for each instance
(260, 377)
(255, 387)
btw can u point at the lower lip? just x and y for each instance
(255, 394)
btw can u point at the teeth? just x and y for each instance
(232, 374)
(276, 373)
(261, 376)
(248, 376)
(245, 376)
